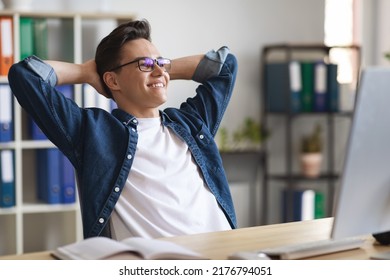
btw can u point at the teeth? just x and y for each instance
(157, 85)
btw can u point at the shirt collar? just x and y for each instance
(128, 119)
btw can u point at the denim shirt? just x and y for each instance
(101, 146)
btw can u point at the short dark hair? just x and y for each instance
(108, 52)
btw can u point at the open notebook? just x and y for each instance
(103, 248)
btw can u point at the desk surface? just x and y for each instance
(219, 245)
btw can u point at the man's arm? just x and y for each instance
(184, 68)
(70, 73)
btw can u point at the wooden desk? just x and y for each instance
(219, 245)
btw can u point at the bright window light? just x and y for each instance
(339, 30)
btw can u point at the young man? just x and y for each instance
(140, 171)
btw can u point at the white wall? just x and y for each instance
(380, 25)
(182, 28)
(373, 31)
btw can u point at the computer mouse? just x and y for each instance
(249, 256)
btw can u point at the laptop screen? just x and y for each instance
(362, 202)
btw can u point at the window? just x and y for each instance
(339, 31)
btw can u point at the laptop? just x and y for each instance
(362, 202)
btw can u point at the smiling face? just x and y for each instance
(136, 92)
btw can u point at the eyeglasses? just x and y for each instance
(146, 64)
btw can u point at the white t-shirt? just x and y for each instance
(164, 194)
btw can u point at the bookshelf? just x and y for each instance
(31, 225)
(287, 119)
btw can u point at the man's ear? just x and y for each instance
(109, 79)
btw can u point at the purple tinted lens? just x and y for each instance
(162, 61)
(148, 62)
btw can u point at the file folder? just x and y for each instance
(68, 183)
(26, 37)
(333, 88)
(320, 87)
(6, 119)
(35, 132)
(6, 45)
(40, 26)
(48, 175)
(7, 175)
(283, 86)
(307, 97)
(66, 90)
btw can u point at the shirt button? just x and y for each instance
(129, 156)
(101, 220)
(133, 129)
(135, 121)
(117, 189)
(201, 136)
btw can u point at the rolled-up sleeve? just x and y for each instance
(42, 69)
(211, 64)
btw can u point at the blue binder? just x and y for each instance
(66, 90)
(283, 87)
(320, 103)
(7, 178)
(333, 88)
(6, 112)
(48, 175)
(68, 184)
(35, 132)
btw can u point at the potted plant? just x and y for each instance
(311, 153)
(248, 136)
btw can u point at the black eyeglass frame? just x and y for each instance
(155, 61)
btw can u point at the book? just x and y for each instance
(283, 86)
(104, 248)
(6, 119)
(6, 45)
(7, 178)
